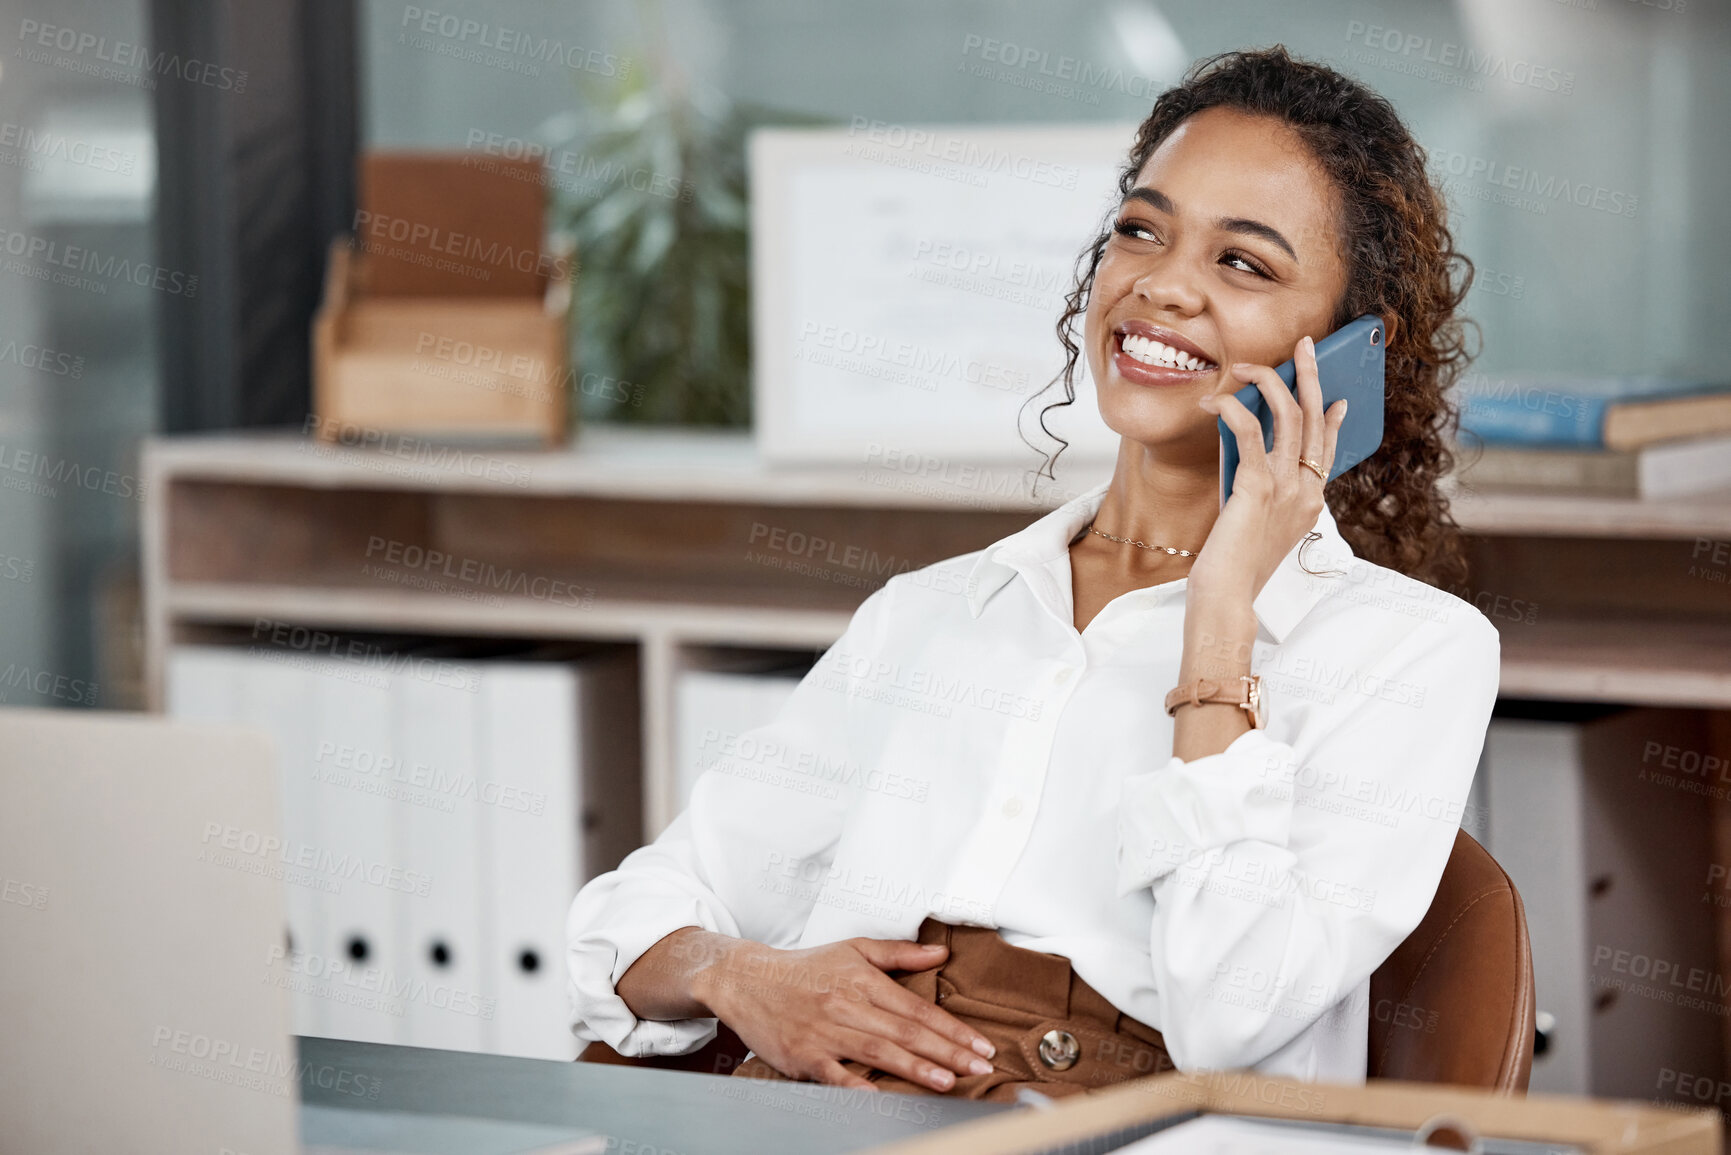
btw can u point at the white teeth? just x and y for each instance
(1152, 352)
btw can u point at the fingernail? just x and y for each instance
(980, 1067)
(1237, 365)
(931, 947)
(1309, 345)
(1343, 406)
(943, 1080)
(984, 1048)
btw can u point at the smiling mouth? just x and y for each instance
(1147, 351)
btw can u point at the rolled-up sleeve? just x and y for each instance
(1184, 808)
(1287, 867)
(723, 864)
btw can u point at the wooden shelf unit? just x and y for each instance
(679, 541)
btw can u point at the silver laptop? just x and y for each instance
(142, 1001)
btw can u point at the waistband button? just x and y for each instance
(1059, 1050)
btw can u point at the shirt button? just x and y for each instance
(1063, 675)
(1012, 807)
(1059, 1050)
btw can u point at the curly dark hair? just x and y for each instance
(1402, 265)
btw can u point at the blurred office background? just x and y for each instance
(1640, 290)
(1569, 288)
(209, 197)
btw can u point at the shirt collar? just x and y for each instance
(1287, 596)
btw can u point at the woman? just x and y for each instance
(1101, 887)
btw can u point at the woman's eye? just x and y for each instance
(1246, 264)
(1133, 230)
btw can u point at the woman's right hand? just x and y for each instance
(804, 1011)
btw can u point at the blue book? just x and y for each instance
(1559, 408)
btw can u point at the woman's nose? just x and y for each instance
(1169, 282)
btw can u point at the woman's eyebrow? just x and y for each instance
(1240, 225)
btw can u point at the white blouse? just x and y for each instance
(963, 752)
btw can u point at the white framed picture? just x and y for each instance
(907, 283)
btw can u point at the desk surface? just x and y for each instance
(647, 1111)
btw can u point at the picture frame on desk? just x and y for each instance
(906, 284)
(1402, 1115)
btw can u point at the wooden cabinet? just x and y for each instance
(682, 541)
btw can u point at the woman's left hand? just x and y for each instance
(1275, 501)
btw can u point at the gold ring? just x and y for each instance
(1321, 473)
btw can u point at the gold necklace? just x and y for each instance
(1141, 544)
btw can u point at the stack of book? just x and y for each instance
(1628, 436)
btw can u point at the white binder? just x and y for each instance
(435, 709)
(357, 768)
(713, 706)
(223, 684)
(435, 810)
(1536, 786)
(529, 804)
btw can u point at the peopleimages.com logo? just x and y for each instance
(94, 53)
(57, 256)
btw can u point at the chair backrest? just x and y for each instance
(1454, 1002)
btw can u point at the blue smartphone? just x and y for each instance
(1349, 364)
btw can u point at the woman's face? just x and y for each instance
(1226, 249)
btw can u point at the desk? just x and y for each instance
(651, 1112)
(648, 1111)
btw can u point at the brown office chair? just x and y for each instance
(1452, 1004)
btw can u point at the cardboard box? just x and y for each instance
(446, 315)
(1124, 1113)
